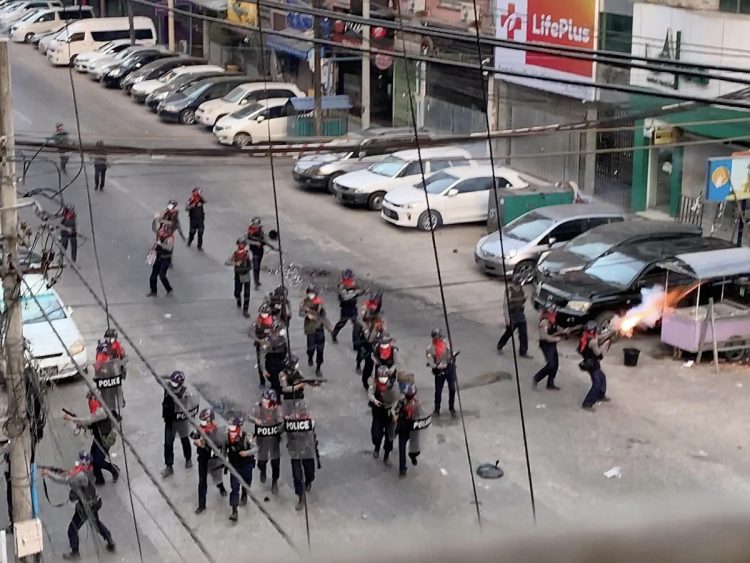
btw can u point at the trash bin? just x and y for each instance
(631, 356)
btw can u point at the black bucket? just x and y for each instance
(631, 356)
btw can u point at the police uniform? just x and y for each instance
(256, 240)
(177, 423)
(315, 324)
(109, 374)
(280, 306)
(515, 318)
(372, 328)
(291, 396)
(348, 303)
(382, 426)
(197, 217)
(380, 357)
(242, 464)
(209, 463)
(549, 336)
(441, 361)
(241, 261)
(275, 348)
(103, 439)
(269, 425)
(410, 421)
(300, 442)
(69, 231)
(260, 331)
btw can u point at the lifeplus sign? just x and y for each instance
(511, 21)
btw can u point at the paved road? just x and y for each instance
(661, 418)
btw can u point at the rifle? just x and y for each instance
(78, 427)
(312, 380)
(69, 413)
(51, 468)
(317, 451)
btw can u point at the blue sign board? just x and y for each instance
(718, 179)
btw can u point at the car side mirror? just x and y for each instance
(452, 192)
(551, 241)
(260, 118)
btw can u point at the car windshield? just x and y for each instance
(589, 245)
(616, 268)
(33, 309)
(389, 166)
(194, 89)
(235, 95)
(437, 183)
(248, 110)
(528, 227)
(168, 77)
(30, 16)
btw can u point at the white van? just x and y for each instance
(83, 36)
(47, 20)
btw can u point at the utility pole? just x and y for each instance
(317, 75)
(170, 24)
(365, 96)
(18, 427)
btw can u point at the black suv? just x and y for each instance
(612, 283)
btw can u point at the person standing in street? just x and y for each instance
(383, 396)
(241, 261)
(162, 248)
(348, 294)
(440, 359)
(256, 239)
(372, 329)
(259, 331)
(103, 438)
(281, 309)
(177, 415)
(60, 138)
(100, 166)
(316, 323)
(590, 348)
(87, 503)
(549, 335)
(302, 445)
(275, 349)
(515, 319)
(69, 229)
(196, 215)
(408, 412)
(269, 425)
(169, 218)
(241, 455)
(208, 462)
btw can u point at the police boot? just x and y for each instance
(188, 463)
(413, 458)
(274, 488)
(376, 452)
(300, 503)
(71, 555)
(263, 475)
(386, 461)
(234, 515)
(222, 490)
(167, 472)
(243, 498)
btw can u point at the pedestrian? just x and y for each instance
(302, 446)
(383, 396)
(256, 238)
(515, 299)
(109, 374)
(103, 435)
(100, 166)
(162, 260)
(241, 455)
(549, 335)
(316, 323)
(590, 348)
(69, 229)
(348, 293)
(440, 359)
(87, 502)
(281, 309)
(196, 215)
(269, 424)
(275, 349)
(208, 461)
(259, 331)
(241, 261)
(61, 139)
(169, 218)
(409, 422)
(177, 411)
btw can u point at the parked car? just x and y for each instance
(17, 10)
(249, 124)
(101, 65)
(368, 187)
(582, 250)
(141, 90)
(158, 68)
(181, 106)
(612, 283)
(36, 301)
(320, 170)
(108, 49)
(179, 84)
(46, 20)
(43, 40)
(525, 238)
(253, 90)
(115, 75)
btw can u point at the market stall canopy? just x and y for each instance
(712, 263)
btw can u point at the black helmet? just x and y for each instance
(291, 362)
(241, 240)
(410, 390)
(177, 379)
(255, 222)
(270, 395)
(110, 333)
(311, 288)
(206, 415)
(84, 458)
(280, 291)
(236, 421)
(591, 326)
(436, 333)
(172, 202)
(347, 274)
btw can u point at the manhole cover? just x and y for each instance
(489, 471)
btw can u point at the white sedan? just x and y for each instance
(456, 195)
(257, 122)
(208, 113)
(83, 60)
(36, 301)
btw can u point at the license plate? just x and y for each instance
(49, 371)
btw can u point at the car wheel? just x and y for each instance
(241, 140)
(604, 321)
(72, 61)
(28, 38)
(331, 178)
(428, 220)
(376, 201)
(187, 116)
(525, 270)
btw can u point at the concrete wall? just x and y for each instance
(694, 166)
(690, 4)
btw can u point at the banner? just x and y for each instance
(245, 13)
(728, 178)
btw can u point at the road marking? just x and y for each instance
(116, 185)
(22, 117)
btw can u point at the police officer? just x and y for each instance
(316, 323)
(163, 247)
(590, 348)
(109, 371)
(348, 294)
(372, 328)
(259, 331)
(549, 335)
(169, 218)
(61, 138)
(292, 386)
(515, 299)
(103, 438)
(440, 359)
(281, 309)
(241, 261)
(241, 454)
(408, 423)
(383, 397)
(275, 349)
(256, 238)
(69, 229)
(302, 445)
(177, 415)
(100, 166)
(383, 354)
(269, 424)
(197, 216)
(87, 502)
(207, 460)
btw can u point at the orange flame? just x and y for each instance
(650, 311)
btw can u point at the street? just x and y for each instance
(671, 430)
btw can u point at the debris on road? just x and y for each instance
(614, 473)
(443, 471)
(541, 406)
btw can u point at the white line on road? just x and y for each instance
(22, 117)
(116, 185)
